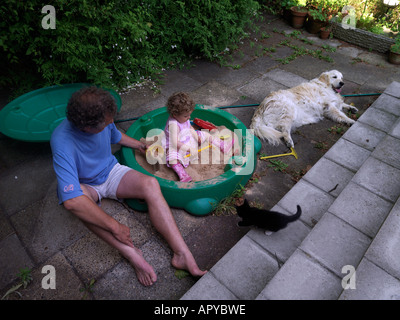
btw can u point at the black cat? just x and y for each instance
(265, 219)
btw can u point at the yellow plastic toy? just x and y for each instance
(293, 153)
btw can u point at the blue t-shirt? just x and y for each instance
(81, 157)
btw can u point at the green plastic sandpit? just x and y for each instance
(200, 197)
(34, 115)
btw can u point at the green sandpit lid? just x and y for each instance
(34, 115)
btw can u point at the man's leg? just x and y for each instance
(137, 185)
(144, 271)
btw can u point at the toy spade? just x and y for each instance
(293, 153)
(206, 147)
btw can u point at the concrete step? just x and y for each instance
(346, 197)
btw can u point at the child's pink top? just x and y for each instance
(184, 136)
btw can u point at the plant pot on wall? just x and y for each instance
(299, 15)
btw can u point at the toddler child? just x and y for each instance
(181, 136)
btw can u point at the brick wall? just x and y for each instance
(362, 38)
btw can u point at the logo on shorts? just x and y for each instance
(69, 188)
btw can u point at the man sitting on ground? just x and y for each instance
(87, 171)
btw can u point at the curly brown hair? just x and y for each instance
(88, 107)
(180, 102)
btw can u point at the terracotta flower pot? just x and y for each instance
(313, 26)
(324, 33)
(298, 17)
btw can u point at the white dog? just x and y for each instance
(284, 110)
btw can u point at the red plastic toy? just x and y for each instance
(204, 124)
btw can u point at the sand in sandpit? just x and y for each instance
(210, 163)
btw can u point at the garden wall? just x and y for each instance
(362, 38)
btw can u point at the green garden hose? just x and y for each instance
(257, 104)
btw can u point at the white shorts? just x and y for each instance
(108, 189)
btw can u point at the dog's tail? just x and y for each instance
(267, 133)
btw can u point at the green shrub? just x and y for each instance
(113, 43)
(396, 46)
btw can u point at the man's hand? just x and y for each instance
(129, 142)
(123, 234)
(142, 148)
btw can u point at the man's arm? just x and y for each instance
(127, 141)
(88, 211)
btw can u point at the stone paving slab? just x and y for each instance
(67, 282)
(388, 103)
(372, 283)
(395, 132)
(335, 243)
(210, 288)
(215, 94)
(288, 79)
(388, 151)
(393, 89)
(259, 88)
(364, 135)
(347, 154)
(384, 250)
(12, 257)
(361, 208)
(313, 201)
(293, 234)
(329, 176)
(313, 282)
(169, 287)
(254, 265)
(54, 229)
(379, 178)
(378, 119)
(24, 179)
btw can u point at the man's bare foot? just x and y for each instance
(186, 261)
(144, 272)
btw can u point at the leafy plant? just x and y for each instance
(25, 277)
(336, 129)
(328, 7)
(180, 274)
(227, 205)
(115, 44)
(300, 9)
(87, 288)
(396, 46)
(287, 4)
(278, 165)
(329, 48)
(318, 14)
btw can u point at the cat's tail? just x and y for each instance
(295, 216)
